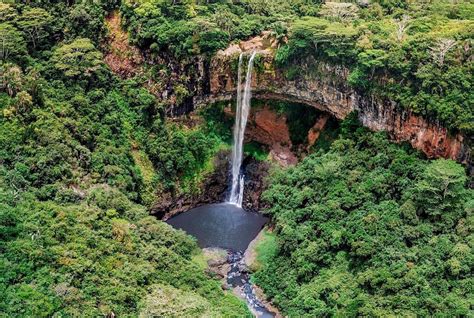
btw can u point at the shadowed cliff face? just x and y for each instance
(326, 88)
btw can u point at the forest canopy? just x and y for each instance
(82, 154)
(418, 54)
(370, 229)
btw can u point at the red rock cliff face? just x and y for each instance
(269, 128)
(431, 138)
(326, 88)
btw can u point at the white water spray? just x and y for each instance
(241, 114)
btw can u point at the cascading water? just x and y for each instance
(241, 114)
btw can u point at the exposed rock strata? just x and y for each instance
(267, 127)
(255, 183)
(315, 131)
(326, 87)
(122, 58)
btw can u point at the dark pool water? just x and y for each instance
(221, 225)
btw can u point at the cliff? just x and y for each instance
(326, 87)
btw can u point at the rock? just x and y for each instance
(315, 131)
(243, 268)
(363, 3)
(255, 175)
(217, 262)
(270, 129)
(122, 58)
(268, 304)
(267, 127)
(212, 190)
(232, 50)
(402, 125)
(321, 85)
(283, 156)
(250, 255)
(263, 44)
(249, 259)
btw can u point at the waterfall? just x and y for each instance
(241, 114)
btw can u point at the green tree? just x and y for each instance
(11, 78)
(370, 229)
(7, 13)
(77, 59)
(167, 301)
(34, 22)
(12, 44)
(441, 187)
(87, 21)
(213, 40)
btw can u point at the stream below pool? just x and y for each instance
(229, 227)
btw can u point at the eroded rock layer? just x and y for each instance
(326, 87)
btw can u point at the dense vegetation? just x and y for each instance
(82, 155)
(419, 57)
(191, 27)
(370, 229)
(363, 227)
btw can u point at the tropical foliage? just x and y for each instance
(370, 229)
(82, 154)
(419, 56)
(362, 227)
(187, 28)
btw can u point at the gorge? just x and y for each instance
(326, 88)
(322, 85)
(329, 92)
(251, 158)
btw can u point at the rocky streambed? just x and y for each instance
(234, 270)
